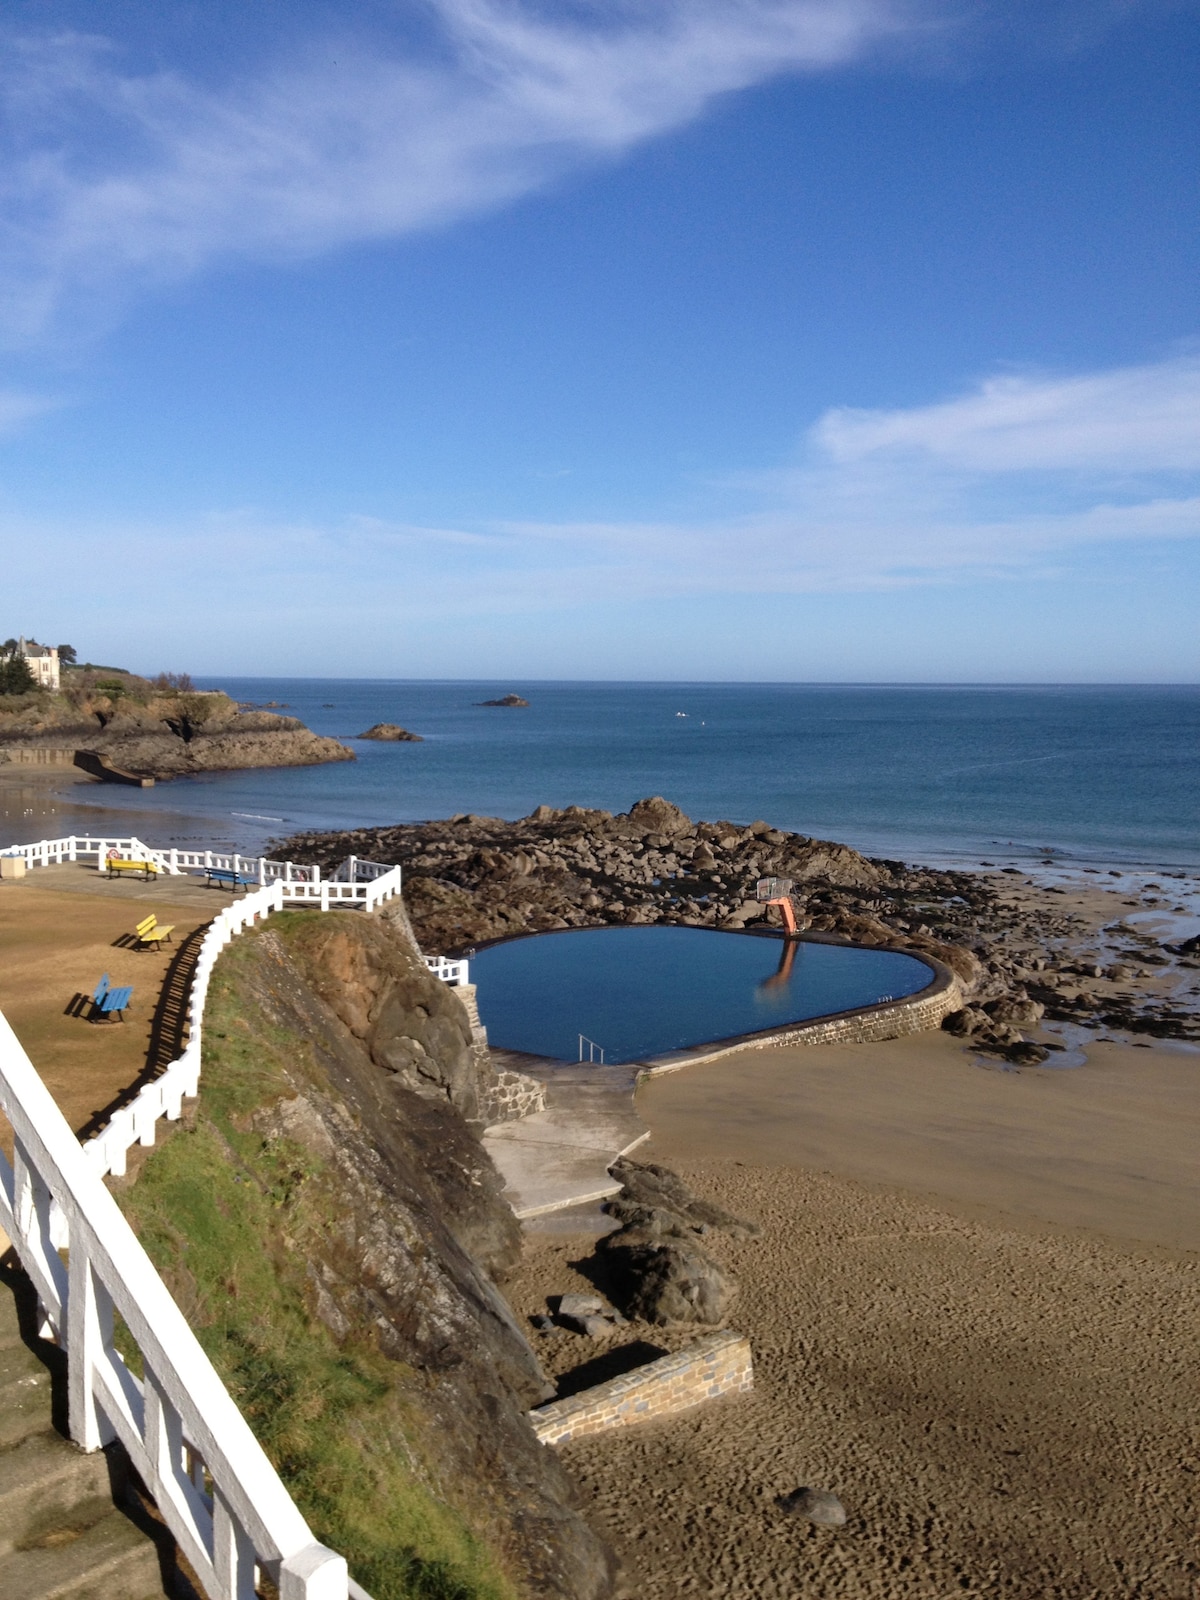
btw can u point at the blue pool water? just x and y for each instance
(641, 992)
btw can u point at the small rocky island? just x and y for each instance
(390, 733)
(505, 700)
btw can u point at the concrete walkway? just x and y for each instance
(560, 1157)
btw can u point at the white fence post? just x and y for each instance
(181, 1413)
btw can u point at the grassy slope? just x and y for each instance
(225, 1214)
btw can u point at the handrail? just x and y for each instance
(450, 972)
(210, 1478)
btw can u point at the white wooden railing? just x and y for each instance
(452, 972)
(213, 1484)
(354, 883)
(163, 1096)
(215, 1488)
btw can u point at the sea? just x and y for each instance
(942, 774)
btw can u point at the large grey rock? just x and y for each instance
(415, 1232)
(648, 1185)
(672, 1282)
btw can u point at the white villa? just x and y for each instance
(43, 662)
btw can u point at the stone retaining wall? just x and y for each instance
(716, 1365)
(504, 1095)
(511, 1095)
(891, 1020)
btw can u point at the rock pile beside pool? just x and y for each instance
(471, 879)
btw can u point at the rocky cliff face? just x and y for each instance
(336, 1059)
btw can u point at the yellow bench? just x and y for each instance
(149, 932)
(118, 864)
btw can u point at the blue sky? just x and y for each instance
(769, 339)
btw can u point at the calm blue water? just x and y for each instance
(1098, 774)
(641, 992)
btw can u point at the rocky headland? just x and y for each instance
(1021, 954)
(132, 728)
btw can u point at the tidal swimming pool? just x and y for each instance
(640, 992)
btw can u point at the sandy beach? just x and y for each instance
(974, 1311)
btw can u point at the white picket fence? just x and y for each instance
(355, 883)
(450, 972)
(213, 1484)
(163, 1096)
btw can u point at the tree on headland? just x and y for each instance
(67, 655)
(15, 676)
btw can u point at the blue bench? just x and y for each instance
(224, 878)
(110, 1002)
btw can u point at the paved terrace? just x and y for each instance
(60, 928)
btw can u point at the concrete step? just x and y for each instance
(110, 1560)
(63, 1535)
(47, 1485)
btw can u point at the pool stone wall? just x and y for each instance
(893, 1019)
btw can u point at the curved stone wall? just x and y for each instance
(892, 1019)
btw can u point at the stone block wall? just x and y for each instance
(510, 1095)
(889, 1020)
(716, 1365)
(503, 1096)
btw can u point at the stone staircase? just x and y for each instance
(70, 1526)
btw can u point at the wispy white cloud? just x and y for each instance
(1144, 418)
(905, 506)
(112, 177)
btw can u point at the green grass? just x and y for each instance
(225, 1213)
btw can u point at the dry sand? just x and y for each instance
(975, 1312)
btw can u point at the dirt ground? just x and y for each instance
(60, 929)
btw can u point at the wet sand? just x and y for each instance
(1109, 1146)
(974, 1313)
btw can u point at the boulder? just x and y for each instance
(963, 1024)
(1016, 1008)
(673, 1282)
(1026, 1053)
(646, 1184)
